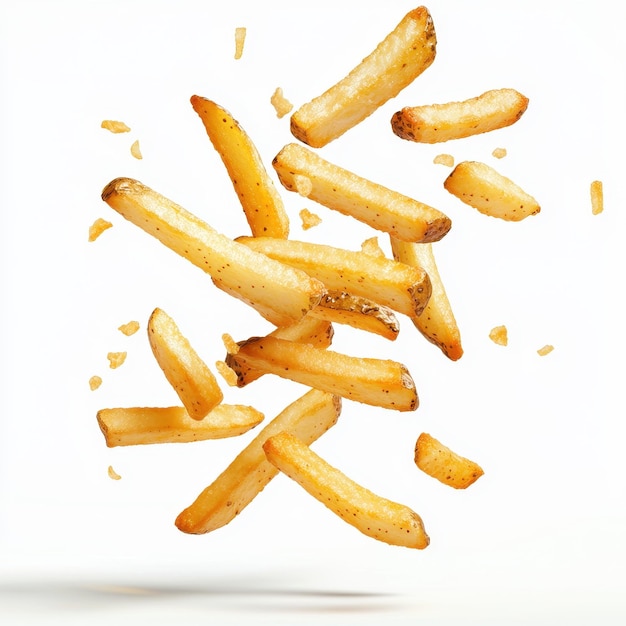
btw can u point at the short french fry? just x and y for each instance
(149, 425)
(435, 123)
(188, 374)
(308, 418)
(438, 461)
(397, 60)
(400, 287)
(259, 198)
(373, 204)
(378, 382)
(491, 193)
(377, 517)
(436, 322)
(278, 292)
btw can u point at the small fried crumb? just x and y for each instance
(135, 150)
(597, 197)
(309, 219)
(304, 186)
(113, 475)
(228, 374)
(129, 329)
(545, 350)
(230, 344)
(114, 126)
(372, 247)
(116, 359)
(94, 382)
(97, 228)
(499, 335)
(281, 105)
(444, 159)
(240, 39)
(499, 153)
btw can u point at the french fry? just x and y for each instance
(435, 123)
(438, 461)
(369, 202)
(436, 322)
(378, 382)
(397, 60)
(400, 287)
(150, 425)
(308, 418)
(286, 294)
(491, 193)
(377, 517)
(259, 198)
(188, 374)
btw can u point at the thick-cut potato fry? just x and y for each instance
(379, 382)
(433, 123)
(597, 197)
(437, 322)
(149, 425)
(308, 418)
(373, 515)
(367, 201)
(438, 461)
(260, 200)
(400, 287)
(188, 374)
(491, 193)
(397, 60)
(280, 293)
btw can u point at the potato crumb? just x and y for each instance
(129, 329)
(372, 247)
(499, 153)
(230, 344)
(115, 126)
(228, 374)
(94, 382)
(444, 159)
(309, 219)
(135, 150)
(304, 186)
(97, 228)
(597, 197)
(499, 335)
(116, 359)
(113, 475)
(240, 39)
(545, 350)
(281, 105)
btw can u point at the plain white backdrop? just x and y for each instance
(538, 539)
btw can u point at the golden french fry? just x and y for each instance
(188, 374)
(259, 198)
(369, 202)
(373, 515)
(400, 287)
(596, 192)
(150, 425)
(491, 193)
(397, 60)
(286, 294)
(436, 322)
(438, 461)
(435, 123)
(308, 418)
(379, 382)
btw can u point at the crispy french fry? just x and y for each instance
(491, 193)
(400, 287)
(436, 322)
(377, 517)
(438, 461)
(188, 374)
(369, 202)
(435, 123)
(259, 198)
(397, 60)
(286, 294)
(379, 382)
(308, 418)
(150, 425)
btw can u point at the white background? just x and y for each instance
(538, 539)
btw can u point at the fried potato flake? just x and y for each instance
(397, 60)
(499, 153)
(240, 39)
(444, 159)
(135, 150)
(114, 126)
(309, 219)
(597, 197)
(281, 105)
(113, 475)
(226, 373)
(129, 328)
(372, 247)
(499, 335)
(371, 514)
(95, 382)
(98, 227)
(116, 359)
(545, 350)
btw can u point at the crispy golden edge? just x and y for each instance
(371, 514)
